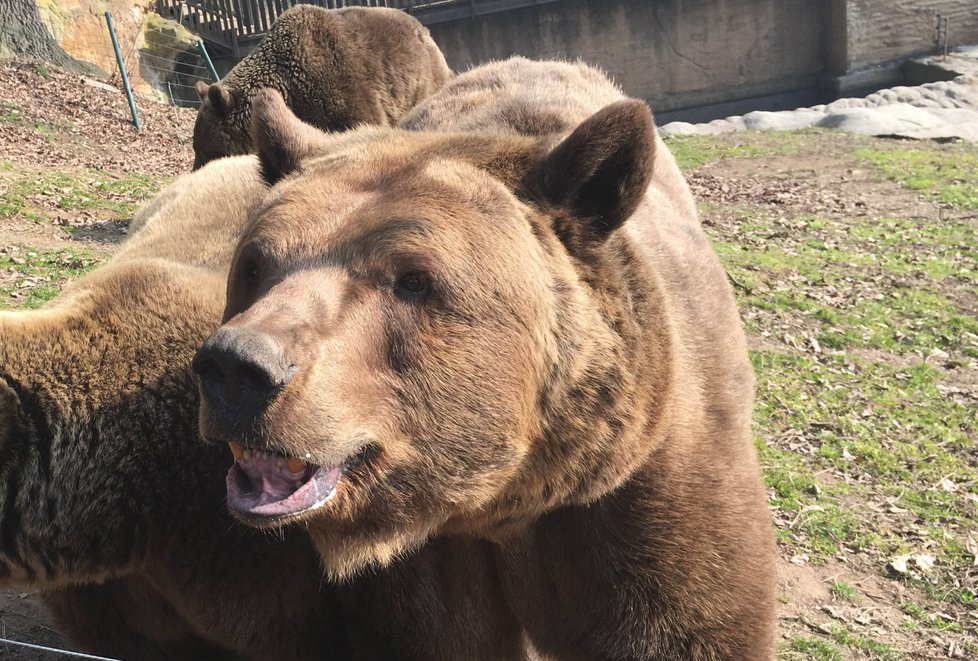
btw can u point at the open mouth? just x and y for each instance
(269, 484)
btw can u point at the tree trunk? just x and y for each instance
(22, 32)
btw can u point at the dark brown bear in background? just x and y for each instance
(505, 323)
(335, 68)
(111, 506)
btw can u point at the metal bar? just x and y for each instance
(69, 653)
(122, 70)
(207, 59)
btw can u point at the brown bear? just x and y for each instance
(109, 504)
(506, 324)
(335, 68)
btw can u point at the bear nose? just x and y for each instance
(241, 369)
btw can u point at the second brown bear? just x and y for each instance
(335, 68)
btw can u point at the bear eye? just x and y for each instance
(251, 271)
(412, 285)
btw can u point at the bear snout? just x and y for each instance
(240, 372)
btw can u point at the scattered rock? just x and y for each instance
(785, 120)
(945, 109)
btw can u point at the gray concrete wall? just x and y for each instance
(883, 31)
(674, 53)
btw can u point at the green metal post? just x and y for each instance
(207, 59)
(122, 71)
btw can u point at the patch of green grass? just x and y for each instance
(895, 417)
(817, 649)
(864, 419)
(695, 151)
(11, 113)
(844, 591)
(912, 232)
(822, 522)
(38, 275)
(950, 178)
(933, 621)
(35, 195)
(908, 320)
(866, 334)
(814, 279)
(868, 646)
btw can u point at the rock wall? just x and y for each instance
(156, 51)
(79, 27)
(24, 32)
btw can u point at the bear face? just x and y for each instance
(424, 332)
(216, 131)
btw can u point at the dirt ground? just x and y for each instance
(835, 257)
(807, 217)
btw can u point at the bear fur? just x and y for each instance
(110, 506)
(335, 68)
(504, 323)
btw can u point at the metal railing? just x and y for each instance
(235, 26)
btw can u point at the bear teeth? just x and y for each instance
(240, 453)
(236, 450)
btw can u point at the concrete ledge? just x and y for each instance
(807, 96)
(860, 82)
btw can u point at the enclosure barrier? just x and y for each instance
(236, 26)
(122, 70)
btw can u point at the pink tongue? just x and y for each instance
(274, 483)
(256, 484)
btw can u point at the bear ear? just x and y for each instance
(220, 98)
(201, 88)
(281, 139)
(600, 172)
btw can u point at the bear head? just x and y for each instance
(424, 331)
(221, 126)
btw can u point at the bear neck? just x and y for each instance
(599, 420)
(83, 490)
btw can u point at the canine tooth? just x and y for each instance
(296, 465)
(237, 450)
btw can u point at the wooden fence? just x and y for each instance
(233, 27)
